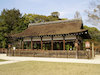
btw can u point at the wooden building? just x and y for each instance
(63, 38)
(55, 35)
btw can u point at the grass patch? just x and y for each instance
(49, 68)
(2, 60)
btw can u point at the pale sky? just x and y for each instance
(66, 8)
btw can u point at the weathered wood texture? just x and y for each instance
(97, 52)
(3, 50)
(50, 53)
(31, 43)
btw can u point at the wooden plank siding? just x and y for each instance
(63, 42)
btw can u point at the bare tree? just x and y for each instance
(77, 15)
(93, 13)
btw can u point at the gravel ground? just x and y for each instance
(14, 59)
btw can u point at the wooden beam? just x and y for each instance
(76, 45)
(63, 42)
(93, 53)
(51, 42)
(41, 44)
(31, 43)
(22, 44)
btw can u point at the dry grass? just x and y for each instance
(49, 68)
(2, 60)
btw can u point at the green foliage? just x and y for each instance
(11, 19)
(12, 22)
(67, 47)
(94, 33)
(35, 45)
(51, 18)
(3, 33)
(58, 46)
(55, 14)
(64, 18)
(34, 18)
(70, 47)
(44, 47)
(27, 45)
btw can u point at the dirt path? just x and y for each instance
(96, 60)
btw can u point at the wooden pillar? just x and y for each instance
(93, 53)
(82, 44)
(76, 46)
(63, 42)
(31, 43)
(41, 44)
(51, 42)
(22, 44)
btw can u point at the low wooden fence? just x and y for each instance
(3, 50)
(97, 52)
(51, 53)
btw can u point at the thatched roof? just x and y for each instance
(52, 28)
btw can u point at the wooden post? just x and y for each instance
(87, 45)
(20, 43)
(82, 44)
(76, 53)
(31, 43)
(41, 44)
(8, 50)
(23, 44)
(63, 42)
(12, 52)
(93, 50)
(76, 45)
(52, 43)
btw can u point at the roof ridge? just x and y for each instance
(52, 22)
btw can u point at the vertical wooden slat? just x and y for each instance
(51, 42)
(93, 53)
(63, 42)
(76, 45)
(22, 43)
(31, 43)
(41, 44)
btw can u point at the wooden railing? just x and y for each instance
(97, 52)
(50, 53)
(3, 50)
